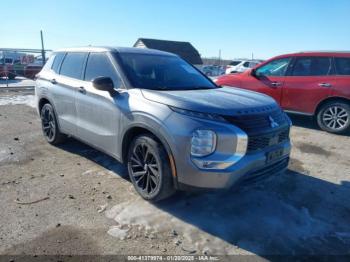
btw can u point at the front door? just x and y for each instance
(98, 114)
(268, 79)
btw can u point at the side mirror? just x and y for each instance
(104, 83)
(253, 73)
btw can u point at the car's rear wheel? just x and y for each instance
(50, 126)
(149, 168)
(334, 117)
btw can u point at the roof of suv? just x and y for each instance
(318, 53)
(115, 49)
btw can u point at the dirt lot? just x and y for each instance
(86, 205)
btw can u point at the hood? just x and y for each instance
(222, 101)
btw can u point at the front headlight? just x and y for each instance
(203, 142)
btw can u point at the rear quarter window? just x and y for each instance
(58, 57)
(342, 65)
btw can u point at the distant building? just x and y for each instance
(182, 49)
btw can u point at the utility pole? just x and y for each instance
(219, 56)
(42, 47)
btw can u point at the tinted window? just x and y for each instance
(246, 64)
(162, 72)
(342, 65)
(57, 62)
(99, 65)
(73, 64)
(311, 66)
(276, 67)
(234, 63)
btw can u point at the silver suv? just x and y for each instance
(172, 125)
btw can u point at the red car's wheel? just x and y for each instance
(334, 117)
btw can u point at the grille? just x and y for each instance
(260, 142)
(257, 123)
(266, 171)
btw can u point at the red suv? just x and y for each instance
(309, 83)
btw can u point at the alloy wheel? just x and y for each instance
(145, 169)
(335, 117)
(48, 123)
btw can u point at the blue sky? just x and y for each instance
(237, 27)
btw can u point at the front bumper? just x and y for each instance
(228, 164)
(249, 167)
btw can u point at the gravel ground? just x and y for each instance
(74, 200)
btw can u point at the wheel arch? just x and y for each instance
(331, 99)
(44, 100)
(138, 129)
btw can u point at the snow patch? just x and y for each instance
(254, 220)
(118, 232)
(28, 100)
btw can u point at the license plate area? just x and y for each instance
(273, 155)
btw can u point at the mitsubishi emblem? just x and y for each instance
(273, 123)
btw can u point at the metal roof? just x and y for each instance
(113, 49)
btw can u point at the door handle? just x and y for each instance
(53, 81)
(325, 85)
(82, 90)
(276, 84)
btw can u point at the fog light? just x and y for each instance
(203, 142)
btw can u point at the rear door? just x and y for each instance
(309, 81)
(64, 88)
(342, 77)
(268, 79)
(97, 112)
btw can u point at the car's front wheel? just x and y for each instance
(50, 126)
(334, 117)
(11, 76)
(149, 168)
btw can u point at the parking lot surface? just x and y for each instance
(74, 200)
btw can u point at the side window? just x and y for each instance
(276, 67)
(98, 64)
(73, 65)
(57, 62)
(342, 65)
(246, 64)
(311, 66)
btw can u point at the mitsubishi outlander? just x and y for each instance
(173, 127)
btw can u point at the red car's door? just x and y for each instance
(308, 82)
(267, 79)
(342, 87)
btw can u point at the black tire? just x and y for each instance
(50, 126)
(11, 76)
(149, 168)
(334, 117)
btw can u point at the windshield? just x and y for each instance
(162, 72)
